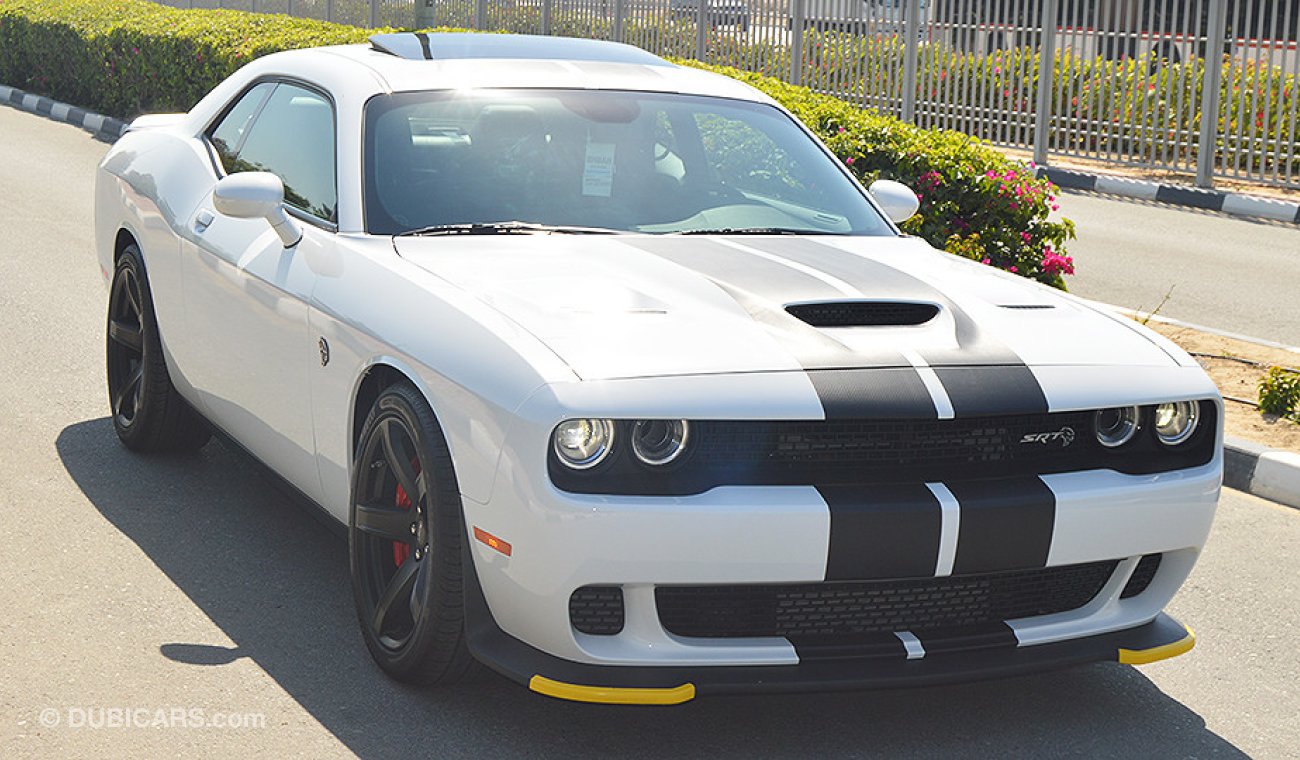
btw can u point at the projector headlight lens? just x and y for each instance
(657, 442)
(1176, 422)
(582, 444)
(1116, 427)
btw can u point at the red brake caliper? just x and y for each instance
(403, 550)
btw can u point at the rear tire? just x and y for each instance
(405, 536)
(148, 414)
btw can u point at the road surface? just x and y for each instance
(151, 585)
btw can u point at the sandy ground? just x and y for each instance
(1220, 356)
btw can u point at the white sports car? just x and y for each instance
(624, 387)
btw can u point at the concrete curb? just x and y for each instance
(103, 127)
(1256, 469)
(1235, 204)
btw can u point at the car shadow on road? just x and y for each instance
(275, 580)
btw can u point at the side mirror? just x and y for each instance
(257, 195)
(897, 200)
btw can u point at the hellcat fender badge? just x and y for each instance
(324, 352)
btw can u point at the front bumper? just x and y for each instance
(1158, 639)
(797, 535)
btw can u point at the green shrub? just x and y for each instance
(1279, 393)
(125, 57)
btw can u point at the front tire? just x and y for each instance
(404, 542)
(148, 414)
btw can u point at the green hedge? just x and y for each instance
(125, 57)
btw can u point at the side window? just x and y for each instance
(291, 136)
(228, 136)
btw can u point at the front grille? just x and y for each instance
(888, 444)
(863, 313)
(1143, 574)
(597, 610)
(866, 451)
(814, 610)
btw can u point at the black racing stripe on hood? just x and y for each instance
(992, 391)
(881, 281)
(768, 280)
(1006, 524)
(982, 377)
(762, 287)
(882, 531)
(888, 393)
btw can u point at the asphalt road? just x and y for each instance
(144, 584)
(1232, 274)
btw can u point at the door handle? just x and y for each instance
(203, 220)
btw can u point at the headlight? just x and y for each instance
(1176, 422)
(1116, 427)
(581, 444)
(659, 441)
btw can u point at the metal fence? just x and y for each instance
(1195, 86)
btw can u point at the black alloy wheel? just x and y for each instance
(148, 413)
(125, 348)
(405, 539)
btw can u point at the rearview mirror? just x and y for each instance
(257, 195)
(897, 200)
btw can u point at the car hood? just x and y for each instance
(626, 306)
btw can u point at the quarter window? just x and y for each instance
(286, 130)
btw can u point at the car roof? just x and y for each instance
(421, 46)
(405, 62)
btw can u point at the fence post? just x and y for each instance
(329, 10)
(701, 28)
(546, 17)
(480, 14)
(374, 13)
(798, 14)
(1046, 83)
(1211, 84)
(620, 10)
(290, 6)
(426, 14)
(911, 56)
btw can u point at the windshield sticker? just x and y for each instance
(598, 172)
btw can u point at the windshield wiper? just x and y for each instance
(505, 228)
(758, 231)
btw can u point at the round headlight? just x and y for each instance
(583, 443)
(1176, 422)
(659, 441)
(1116, 427)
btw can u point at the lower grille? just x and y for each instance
(835, 609)
(597, 610)
(1143, 574)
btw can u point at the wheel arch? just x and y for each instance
(376, 376)
(125, 237)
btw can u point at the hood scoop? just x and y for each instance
(864, 313)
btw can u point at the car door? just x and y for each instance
(246, 295)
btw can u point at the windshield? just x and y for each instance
(634, 162)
